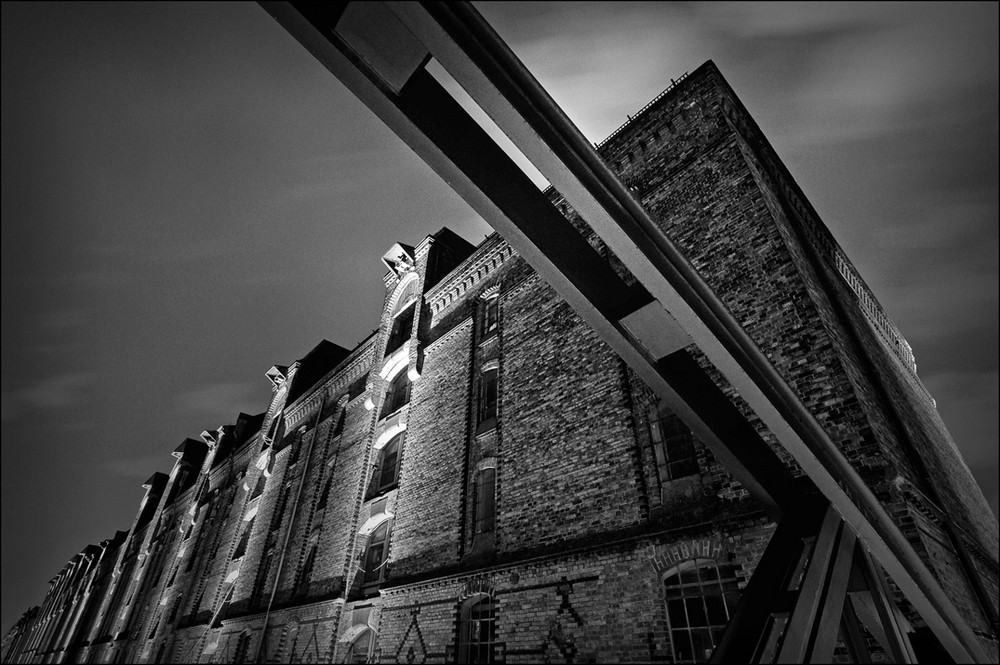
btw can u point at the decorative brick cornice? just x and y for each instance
(488, 257)
(339, 380)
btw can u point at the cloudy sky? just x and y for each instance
(189, 198)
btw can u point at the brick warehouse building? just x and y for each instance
(484, 480)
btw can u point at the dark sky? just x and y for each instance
(189, 198)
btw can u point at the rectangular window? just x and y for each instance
(674, 446)
(484, 510)
(306, 574)
(241, 548)
(375, 554)
(487, 400)
(477, 636)
(397, 396)
(386, 473)
(491, 317)
(402, 326)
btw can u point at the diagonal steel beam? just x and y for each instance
(379, 51)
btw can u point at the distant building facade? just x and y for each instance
(484, 480)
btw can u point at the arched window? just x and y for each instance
(398, 394)
(375, 555)
(402, 317)
(477, 631)
(361, 648)
(700, 596)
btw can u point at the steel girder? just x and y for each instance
(380, 50)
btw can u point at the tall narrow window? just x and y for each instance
(260, 588)
(398, 394)
(402, 317)
(477, 631)
(673, 444)
(375, 555)
(484, 509)
(487, 400)
(242, 648)
(259, 487)
(700, 597)
(491, 317)
(277, 429)
(387, 468)
(241, 547)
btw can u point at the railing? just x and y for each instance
(876, 315)
(631, 118)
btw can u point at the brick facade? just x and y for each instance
(483, 472)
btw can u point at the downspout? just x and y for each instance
(288, 533)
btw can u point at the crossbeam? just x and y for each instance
(379, 51)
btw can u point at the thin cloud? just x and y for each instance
(58, 392)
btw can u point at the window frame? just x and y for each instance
(352, 656)
(674, 448)
(489, 324)
(486, 409)
(477, 651)
(484, 507)
(392, 446)
(397, 336)
(678, 599)
(374, 574)
(400, 384)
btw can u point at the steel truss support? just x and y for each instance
(380, 50)
(803, 596)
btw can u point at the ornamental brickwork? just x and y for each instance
(484, 480)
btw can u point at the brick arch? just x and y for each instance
(665, 557)
(408, 281)
(477, 586)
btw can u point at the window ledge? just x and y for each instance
(399, 356)
(397, 412)
(486, 426)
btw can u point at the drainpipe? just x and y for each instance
(288, 533)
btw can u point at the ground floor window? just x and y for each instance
(361, 648)
(477, 630)
(700, 595)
